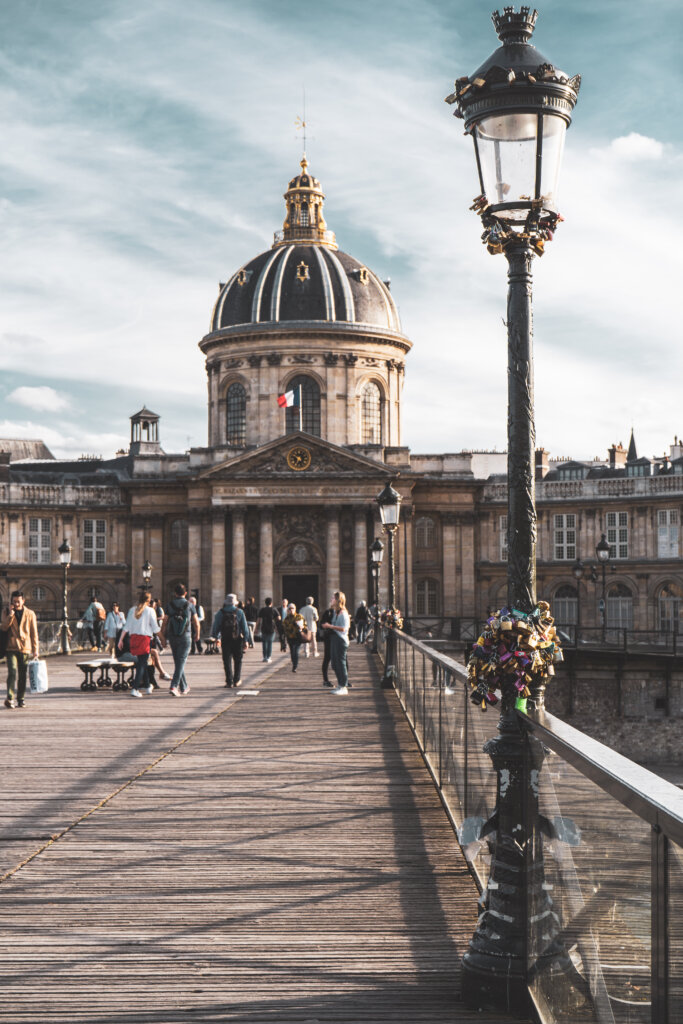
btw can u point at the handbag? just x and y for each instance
(305, 636)
(37, 676)
(139, 644)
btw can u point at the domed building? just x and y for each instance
(281, 501)
(305, 315)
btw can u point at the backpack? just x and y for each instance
(178, 620)
(230, 627)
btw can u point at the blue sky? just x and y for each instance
(146, 148)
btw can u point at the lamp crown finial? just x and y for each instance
(513, 27)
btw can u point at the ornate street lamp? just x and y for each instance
(147, 574)
(389, 502)
(517, 107)
(603, 552)
(577, 569)
(376, 556)
(64, 551)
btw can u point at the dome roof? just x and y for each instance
(304, 277)
(305, 282)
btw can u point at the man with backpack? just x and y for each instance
(230, 627)
(179, 627)
(268, 621)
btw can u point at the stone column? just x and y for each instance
(360, 559)
(238, 577)
(333, 567)
(266, 557)
(467, 560)
(194, 553)
(217, 561)
(137, 557)
(449, 563)
(155, 553)
(407, 599)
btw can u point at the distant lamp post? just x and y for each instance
(376, 556)
(389, 502)
(64, 551)
(577, 569)
(147, 574)
(602, 550)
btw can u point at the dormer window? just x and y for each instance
(243, 276)
(363, 275)
(302, 272)
(571, 473)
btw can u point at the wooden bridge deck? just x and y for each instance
(272, 857)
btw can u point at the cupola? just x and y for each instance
(304, 221)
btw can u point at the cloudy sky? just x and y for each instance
(145, 150)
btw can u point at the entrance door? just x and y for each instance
(298, 588)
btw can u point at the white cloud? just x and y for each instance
(67, 443)
(636, 147)
(42, 399)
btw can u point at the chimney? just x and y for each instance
(542, 464)
(617, 456)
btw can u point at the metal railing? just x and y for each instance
(646, 641)
(612, 861)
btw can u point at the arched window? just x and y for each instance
(310, 398)
(179, 535)
(670, 606)
(619, 607)
(566, 605)
(236, 420)
(370, 414)
(304, 215)
(427, 595)
(39, 593)
(425, 532)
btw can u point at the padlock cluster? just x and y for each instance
(514, 651)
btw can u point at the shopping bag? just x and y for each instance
(37, 676)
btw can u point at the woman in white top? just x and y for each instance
(142, 624)
(340, 642)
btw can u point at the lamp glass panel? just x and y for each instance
(389, 514)
(507, 155)
(554, 133)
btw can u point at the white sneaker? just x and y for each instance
(135, 693)
(269, 660)
(316, 655)
(174, 691)
(148, 689)
(339, 690)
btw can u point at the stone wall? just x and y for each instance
(633, 704)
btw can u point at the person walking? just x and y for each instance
(141, 625)
(293, 625)
(88, 634)
(284, 611)
(251, 615)
(326, 636)
(310, 615)
(21, 626)
(179, 625)
(230, 627)
(361, 619)
(267, 622)
(113, 624)
(339, 629)
(196, 647)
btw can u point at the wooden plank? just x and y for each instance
(281, 857)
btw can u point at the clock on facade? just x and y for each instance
(298, 458)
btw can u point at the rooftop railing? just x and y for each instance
(610, 860)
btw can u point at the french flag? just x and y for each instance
(290, 398)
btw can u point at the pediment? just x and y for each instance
(275, 461)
